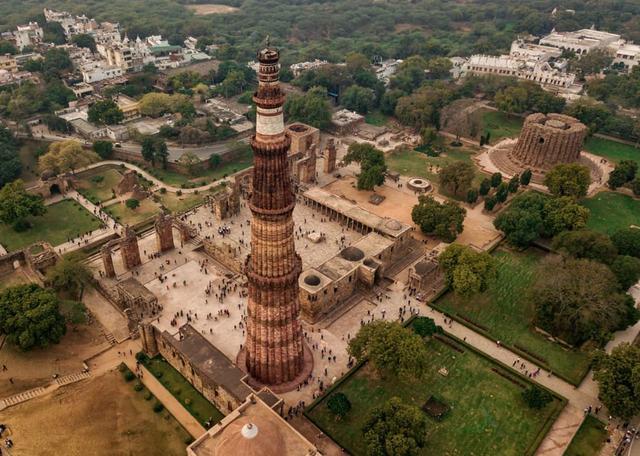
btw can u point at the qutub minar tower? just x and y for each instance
(274, 351)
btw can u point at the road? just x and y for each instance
(175, 150)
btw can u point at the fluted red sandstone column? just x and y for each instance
(274, 343)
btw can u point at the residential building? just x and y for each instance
(28, 35)
(582, 41)
(99, 71)
(628, 54)
(129, 107)
(298, 68)
(8, 63)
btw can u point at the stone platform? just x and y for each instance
(304, 374)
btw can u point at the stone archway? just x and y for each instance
(55, 189)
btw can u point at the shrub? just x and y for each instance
(188, 440)
(138, 386)
(148, 396)
(188, 401)
(122, 367)
(496, 179)
(158, 375)
(472, 196)
(158, 407)
(536, 398)
(142, 357)
(490, 203)
(129, 376)
(424, 326)
(179, 193)
(97, 179)
(339, 405)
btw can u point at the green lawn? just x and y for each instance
(611, 212)
(178, 204)
(487, 416)
(183, 391)
(589, 439)
(612, 150)
(501, 125)
(97, 186)
(242, 161)
(413, 163)
(505, 314)
(376, 118)
(126, 216)
(28, 157)
(63, 220)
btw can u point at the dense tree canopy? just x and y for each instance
(311, 108)
(105, 112)
(468, 272)
(392, 349)
(372, 164)
(395, 429)
(618, 378)
(445, 220)
(65, 156)
(16, 205)
(568, 180)
(11, 165)
(586, 244)
(30, 316)
(457, 177)
(579, 300)
(627, 241)
(69, 275)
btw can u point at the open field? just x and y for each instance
(487, 416)
(416, 164)
(589, 439)
(242, 161)
(612, 150)
(611, 212)
(201, 409)
(63, 220)
(147, 210)
(505, 313)
(102, 416)
(501, 125)
(99, 186)
(178, 204)
(207, 9)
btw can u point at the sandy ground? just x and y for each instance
(205, 10)
(100, 416)
(36, 367)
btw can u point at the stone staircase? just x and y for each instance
(72, 378)
(110, 338)
(21, 397)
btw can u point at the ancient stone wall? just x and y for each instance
(330, 154)
(164, 232)
(225, 252)
(129, 249)
(549, 140)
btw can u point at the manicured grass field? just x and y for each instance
(505, 313)
(611, 212)
(413, 163)
(589, 439)
(178, 204)
(183, 391)
(376, 118)
(63, 220)
(126, 216)
(488, 415)
(96, 190)
(242, 161)
(612, 150)
(501, 125)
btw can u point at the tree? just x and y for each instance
(627, 241)
(214, 161)
(580, 301)
(69, 275)
(525, 177)
(472, 196)
(104, 149)
(16, 205)
(395, 429)
(586, 244)
(11, 164)
(56, 61)
(155, 104)
(105, 112)
(569, 179)
(439, 68)
(536, 397)
(444, 220)
(30, 317)
(392, 349)
(359, 99)
(7, 47)
(372, 164)
(65, 156)
(627, 270)
(618, 377)
(84, 41)
(190, 161)
(593, 62)
(502, 192)
(496, 179)
(149, 149)
(339, 405)
(132, 203)
(389, 101)
(457, 177)
(624, 172)
(311, 108)
(422, 108)
(468, 272)
(485, 187)
(563, 214)
(426, 327)
(514, 184)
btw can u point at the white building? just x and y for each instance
(298, 68)
(386, 69)
(582, 41)
(28, 35)
(628, 54)
(100, 71)
(523, 50)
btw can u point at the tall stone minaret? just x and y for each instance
(274, 344)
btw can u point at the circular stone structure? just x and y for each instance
(419, 184)
(548, 140)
